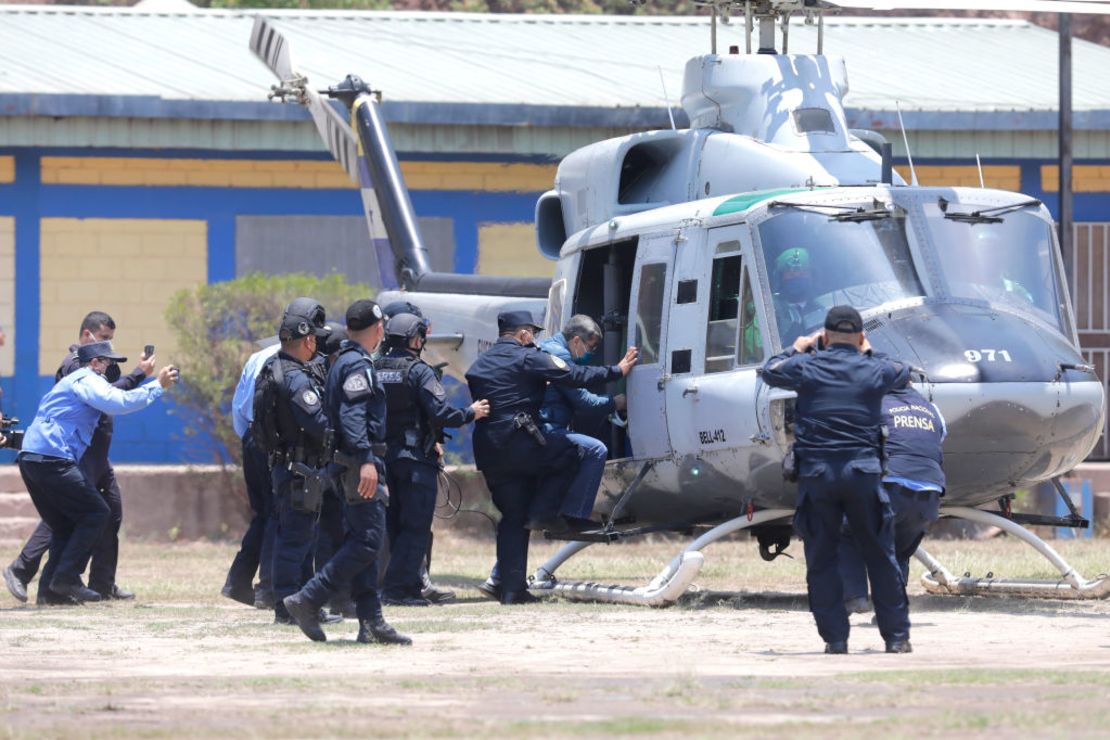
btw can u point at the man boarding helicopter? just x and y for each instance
(674, 237)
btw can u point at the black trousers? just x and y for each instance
(413, 488)
(256, 553)
(76, 513)
(105, 553)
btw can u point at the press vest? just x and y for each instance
(404, 424)
(915, 431)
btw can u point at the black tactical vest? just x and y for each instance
(404, 423)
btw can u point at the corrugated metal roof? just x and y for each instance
(475, 62)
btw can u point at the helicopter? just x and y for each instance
(675, 240)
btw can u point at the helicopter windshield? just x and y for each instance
(1009, 261)
(816, 262)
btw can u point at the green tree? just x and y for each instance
(217, 328)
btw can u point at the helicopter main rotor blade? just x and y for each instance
(271, 47)
(1090, 7)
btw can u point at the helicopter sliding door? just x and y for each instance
(716, 344)
(647, 328)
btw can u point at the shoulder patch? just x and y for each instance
(310, 398)
(356, 384)
(558, 362)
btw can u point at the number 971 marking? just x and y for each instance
(987, 355)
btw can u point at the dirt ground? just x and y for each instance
(739, 656)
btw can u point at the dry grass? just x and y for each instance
(739, 658)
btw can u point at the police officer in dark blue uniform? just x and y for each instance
(417, 413)
(913, 480)
(527, 471)
(299, 454)
(837, 432)
(356, 410)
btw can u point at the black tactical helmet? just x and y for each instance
(396, 307)
(405, 326)
(332, 341)
(302, 317)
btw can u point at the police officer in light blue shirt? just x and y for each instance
(57, 438)
(914, 481)
(257, 549)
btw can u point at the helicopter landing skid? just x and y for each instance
(666, 587)
(1070, 585)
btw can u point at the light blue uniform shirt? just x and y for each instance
(69, 413)
(242, 405)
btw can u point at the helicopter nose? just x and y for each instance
(1016, 408)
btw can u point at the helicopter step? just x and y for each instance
(663, 590)
(609, 534)
(1070, 585)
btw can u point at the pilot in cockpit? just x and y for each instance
(795, 308)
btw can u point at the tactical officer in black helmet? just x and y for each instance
(433, 593)
(417, 413)
(291, 425)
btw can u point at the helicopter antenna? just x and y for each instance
(906, 141)
(667, 99)
(978, 164)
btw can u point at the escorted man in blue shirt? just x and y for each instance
(837, 447)
(577, 343)
(56, 440)
(914, 482)
(256, 552)
(356, 409)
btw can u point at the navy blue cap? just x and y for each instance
(362, 314)
(88, 352)
(843, 319)
(509, 320)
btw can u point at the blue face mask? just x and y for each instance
(585, 358)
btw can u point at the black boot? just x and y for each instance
(244, 595)
(899, 646)
(379, 631)
(836, 648)
(343, 606)
(306, 616)
(76, 591)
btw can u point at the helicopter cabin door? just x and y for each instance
(716, 344)
(647, 330)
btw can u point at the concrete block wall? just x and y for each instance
(126, 267)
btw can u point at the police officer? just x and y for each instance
(256, 552)
(56, 440)
(837, 432)
(97, 326)
(433, 593)
(356, 410)
(913, 481)
(297, 445)
(417, 412)
(527, 471)
(329, 530)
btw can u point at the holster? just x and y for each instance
(349, 478)
(524, 422)
(307, 488)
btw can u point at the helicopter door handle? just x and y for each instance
(662, 382)
(691, 390)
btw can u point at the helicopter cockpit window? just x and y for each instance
(1008, 261)
(732, 332)
(813, 121)
(815, 262)
(649, 311)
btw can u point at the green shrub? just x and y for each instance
(217, 328)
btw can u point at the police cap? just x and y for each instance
(363, 314)
(843, 319)
(510, 320)
(395, 307)
(88, 352)
(406, 326)
(302, 317)
(335, 338)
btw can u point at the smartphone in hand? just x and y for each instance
(148, 351)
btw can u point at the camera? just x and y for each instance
(13, 437)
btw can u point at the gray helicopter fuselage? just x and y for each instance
(978, 304)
